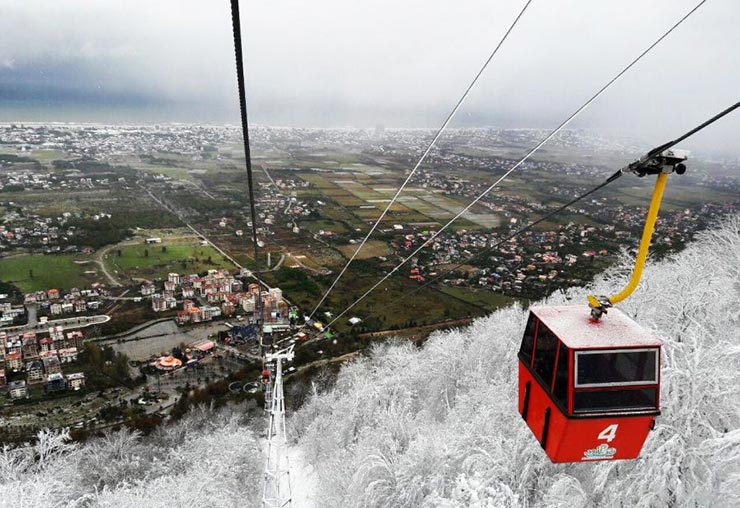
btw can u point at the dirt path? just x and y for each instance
(100, 260)
(420, 329)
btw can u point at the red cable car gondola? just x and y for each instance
(590, 389)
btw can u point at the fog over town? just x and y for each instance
(336, 63)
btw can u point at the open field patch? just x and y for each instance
(37, 272)
(372, 249)
(481, 297)
(314, 226)
(175, 173)
(486, 220)
(155, 261)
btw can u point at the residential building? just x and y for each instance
(14, 345)
(52, 365)
(76, 380)
(67, 355)
(75, 339)
(55, 382)
(159, 304)
(34, 371)
(30, 346)
(276, 293)
(148, 289)
(14, 362)
(17, 389)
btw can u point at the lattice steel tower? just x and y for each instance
(276, 492)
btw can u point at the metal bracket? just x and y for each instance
(659, 161)
(599, 306)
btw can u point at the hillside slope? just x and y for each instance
(209, 459)
(438, 426)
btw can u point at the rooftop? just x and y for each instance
(575, 328)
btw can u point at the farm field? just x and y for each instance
(364, 196)
(398, 309)
(480, 297)
(37, 272)
(372, 249)
(141, 261)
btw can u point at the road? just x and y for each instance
(279, 263)
(32, 310)
(67, 323)
(100, 260)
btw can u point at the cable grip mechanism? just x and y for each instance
(657, 162)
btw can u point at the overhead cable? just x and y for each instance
(423, 156)
(236, 28)
(527, 156)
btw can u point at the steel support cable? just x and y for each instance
(524, 159)
(612, 178)
(236, 28)
(609, 180)
(423, 157)
(518, 232)
(671, 144)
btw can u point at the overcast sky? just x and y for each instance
(361, 63)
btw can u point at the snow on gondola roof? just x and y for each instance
(574, 327)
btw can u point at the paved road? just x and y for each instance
(68, 323)
(279, 263)
(32, 310)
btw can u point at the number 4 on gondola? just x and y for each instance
(588, 389)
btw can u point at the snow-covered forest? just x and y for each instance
(437, 426)
(207, 459)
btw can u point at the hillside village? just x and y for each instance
(29, 358)
(221, 294)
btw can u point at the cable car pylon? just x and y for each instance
(276, 491)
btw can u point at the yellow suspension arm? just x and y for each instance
(642, 253)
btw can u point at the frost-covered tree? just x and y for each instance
(206, 459)
(438, 426)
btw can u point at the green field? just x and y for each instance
(176, 173)
(481, 297)
(371, 249)
(155, 261)
(36, 272)
(391, 306)
(314, 226)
